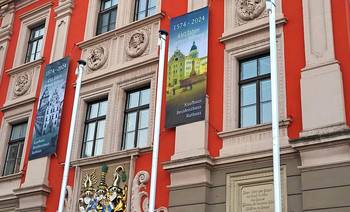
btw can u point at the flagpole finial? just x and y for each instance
(82, 62)
(163, 32)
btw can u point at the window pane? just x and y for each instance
(142, 138)
(152, 11)
(131, 122)
(265, 113)
(88, 149)
(152, 3)
(100, 129)
(133, 100)
(248, 116)
(19, 157)
(265, 90)
(141, 15)
(264, 65)
(113, 20)
(107, 4)
(103, 108)
(9, 167)
(93, 111)
(142, 5)
(114, 2)
(18, 131)
(248, 69)
(90, 131)
(129, 140)
(145, 94)
(248, 94)
(143, 119)
(98, 147)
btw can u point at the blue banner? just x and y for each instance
(187, 68)
(48, 116)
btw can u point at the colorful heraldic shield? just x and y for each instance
(48, 116)
(103, 197)
(187, 68)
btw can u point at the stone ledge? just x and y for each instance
(32, 190)
(25, 66)
(11, 177)
(119, 155)
(190, 162)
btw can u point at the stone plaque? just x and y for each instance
(252, 191)
(258, 198)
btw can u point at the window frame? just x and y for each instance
(257, 79)
(31, 41)
(93, 120)
(101, 12)
(135, 109)
(18, 141)
(136, 10)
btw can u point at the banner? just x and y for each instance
(187, 68)
(48, 116)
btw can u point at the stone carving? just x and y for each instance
(249, 9)
(139, 195)
(137, 43)
(97, 58)
(22, 84)
(104, 198)
(68, 199)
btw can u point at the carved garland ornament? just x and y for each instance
(97, 58)
(104, 198)
(139, 197)
(250, 9)
(137, 43)
(22, 84)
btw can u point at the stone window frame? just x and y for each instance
(116, 95)
(11, 118)
(28, 21)
(243, 39)
(125, 16)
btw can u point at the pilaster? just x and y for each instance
(7, 13)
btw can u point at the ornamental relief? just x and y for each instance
(108, 193)
(139, 195)
(97, 57)
(137, 43)
(22, 84)
(247, 10)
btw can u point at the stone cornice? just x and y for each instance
(124, 155)
(65, 8)
(32, 190)
(11, 177)
(111, 34)
(254, 129)
(246, 29)
(33, 12)
(25, 66)
(5, 33)
(190, 162)
(18, 104)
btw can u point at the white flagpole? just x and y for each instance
(71, 133)
(162, 38)
(271, 8)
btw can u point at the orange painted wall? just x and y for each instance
(341, 35)
(294, 61)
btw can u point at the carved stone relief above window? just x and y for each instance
(139, 196)
(247, 10)
(97, 57)
(22, 83)
(137, 43)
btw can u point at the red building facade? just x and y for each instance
(217, 164)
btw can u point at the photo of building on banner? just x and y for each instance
(49, 109)
(187, 68)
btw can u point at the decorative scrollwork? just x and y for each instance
(249, 9)
(22, 84)
(137, 43)
(97, 58)
(139, 196)
(104, 198)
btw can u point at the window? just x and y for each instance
(144, 8)
(107, 16)
(15, 149)
(94, 129)
(136, 119)
(35, 43)
(255, 91)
